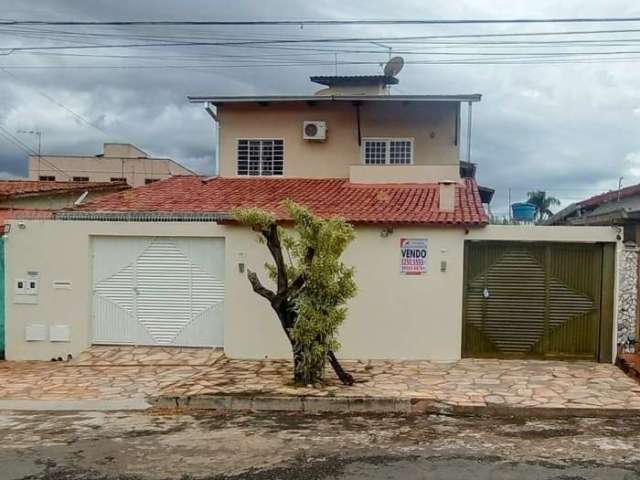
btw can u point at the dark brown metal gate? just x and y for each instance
(538, 299)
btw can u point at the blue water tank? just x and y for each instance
(523, 211)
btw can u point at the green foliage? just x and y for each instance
(255, 218)
(311, 250)
(543, 204)
(328, 286)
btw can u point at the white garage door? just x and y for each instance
(158, 291)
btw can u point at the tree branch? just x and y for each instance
(258, 287)
(274, 246)
(345, 377)
(298, 283)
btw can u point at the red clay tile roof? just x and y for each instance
(365, 203)
(610, 196)
(22, 214)
(21, 188)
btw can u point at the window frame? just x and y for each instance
(260, 175)
(387, 159)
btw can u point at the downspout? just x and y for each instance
(470, 112)
(214, 114)
(357, 105)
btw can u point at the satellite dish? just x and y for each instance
(393, 66)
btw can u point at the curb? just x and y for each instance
(376, 405)
(134, 404)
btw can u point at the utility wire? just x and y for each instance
(7, 135)
(516, 60)
(56, 102)
(322, 22)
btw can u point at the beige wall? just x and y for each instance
(122, 150)
(51, 201)
(539, 233)
(403, 173)
(393, 316)
(103, 169)
(333, 157)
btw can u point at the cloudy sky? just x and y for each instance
(571, 129)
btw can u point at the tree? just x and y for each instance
(543, 204)
(312, 284)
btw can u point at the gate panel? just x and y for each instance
(2, 314)
(158, 291)
(532, 299)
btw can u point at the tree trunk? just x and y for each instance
(345, 377)
(282, 304)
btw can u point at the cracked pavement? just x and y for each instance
(162, 444)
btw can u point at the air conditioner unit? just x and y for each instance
(314, 130)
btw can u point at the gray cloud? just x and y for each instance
(569, 129)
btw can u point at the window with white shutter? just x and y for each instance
(387, 151)
(260, 157)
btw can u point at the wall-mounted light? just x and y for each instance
(242, 259)
(22, 226)
(385, 232)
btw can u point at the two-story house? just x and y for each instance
(165, 264)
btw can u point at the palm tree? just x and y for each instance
(543, 204)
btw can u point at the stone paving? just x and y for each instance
(56, 381)
(118, 373)
(465, 383)
(104, 373)
(152, 356)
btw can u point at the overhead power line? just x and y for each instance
(7, 135)
(56, 102)
(320, 22)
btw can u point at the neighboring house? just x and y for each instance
(165, 264)
(616, 207)
(620, 209)
(23, 194)
(27, 199)
(119, 162)
(37, 199)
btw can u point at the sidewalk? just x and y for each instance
(102, 378)
(473, 386)
(112, 378)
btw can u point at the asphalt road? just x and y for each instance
(168, 445)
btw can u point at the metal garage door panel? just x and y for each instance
(532, 299)
(171, 293)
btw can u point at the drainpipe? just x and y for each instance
(357, 106)
(470, 111)
(212, 111)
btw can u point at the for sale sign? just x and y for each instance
(413, 256)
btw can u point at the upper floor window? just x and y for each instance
(118, 179)
(260, 157)
(148, 181)
(47, 178)
(80, 179)
(387, 151)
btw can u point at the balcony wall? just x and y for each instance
(403, 173)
